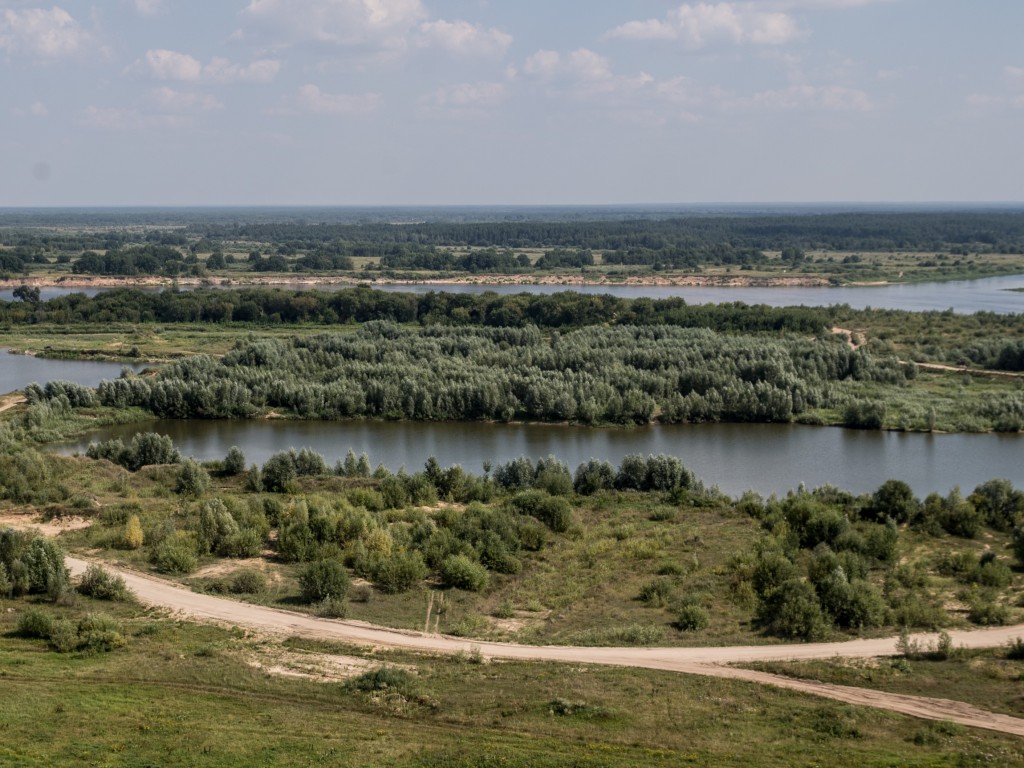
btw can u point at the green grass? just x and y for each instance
(180, 694)
(985, 678)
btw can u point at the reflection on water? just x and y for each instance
(736, 457)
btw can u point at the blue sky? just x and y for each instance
(371, 102)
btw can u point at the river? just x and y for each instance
(767, 458)
(992, 294)
(17, 371)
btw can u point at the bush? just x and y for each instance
(192, 479)
(64, 636)
(133, 537)
(44, 567)
(462, 573)
(398, 572)
(893, 500)
(656, 592)
(553, 511)
(234, 462)
(99, 632)
(381, 680)
(248, 581)
(331, 608)
(35, 623)
(100, 584)
(324, 579)
(692, 618)
(793, 611)
(176, 555)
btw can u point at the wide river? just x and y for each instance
(993, 294)
(736, 457)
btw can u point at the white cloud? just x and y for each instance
(149, 7)
(312, 99)
(463, 38)
(701, 24)
(170, 100)
(341, 22)
(1015, 75)
(833, 98)
(40, 32)
(583, 64)
(36, 109)
(171, 65)
(467, 97)
(118, 119)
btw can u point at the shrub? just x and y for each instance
(133, 537)
(462, 573)
(398, 572)
(1015, 649)
(36, 623)
(383, 679)
(692, 618)
(234, 462)
(331, 608)
(64, 636)
(793, 611)
(987, 613)
(100, 632)
(656, 592)
(176, 554)
(44, 567)
(893, 500)
(553, 511)
(248, 581)
(324, 579)
(192, 479)
(100, 584)
(593, 476)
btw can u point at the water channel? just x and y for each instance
(765, 457)
(992, 294)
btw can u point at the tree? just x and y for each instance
(192, 479)
(27, 293)
(895, 500)
(234, 462)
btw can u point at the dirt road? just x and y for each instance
(699, 661)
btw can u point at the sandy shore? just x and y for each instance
(312, 281)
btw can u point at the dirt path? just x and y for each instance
(8, 402)
(700, 661)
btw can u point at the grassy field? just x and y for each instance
(182, 694)
(989, 678)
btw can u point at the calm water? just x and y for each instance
(736, 457)
(17, 371)
(991, 294)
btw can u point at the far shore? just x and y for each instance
(312, 281)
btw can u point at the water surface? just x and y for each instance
(736, 457)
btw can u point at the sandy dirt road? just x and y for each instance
(699, 661)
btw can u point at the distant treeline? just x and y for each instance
(705, 236)
(596, 375)
(272, 306)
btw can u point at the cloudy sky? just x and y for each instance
(351, 102)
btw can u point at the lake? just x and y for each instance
(17, 371)
(768, 458)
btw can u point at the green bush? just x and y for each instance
(248, 581)
(656, 592)
(99, 632)
(462, 573)
(176, 555)
(383, 679)
(397, 572)
(793, 610)
(36, 623)
(692, 618)
(100, 584)
(192, 479)
(234, 462)
(322, 580)
(64, 636)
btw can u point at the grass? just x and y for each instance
(181, 694)
(985, 678)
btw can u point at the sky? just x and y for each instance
(526, 102)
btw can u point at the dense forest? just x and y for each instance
(677, 242)
(598, 375)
